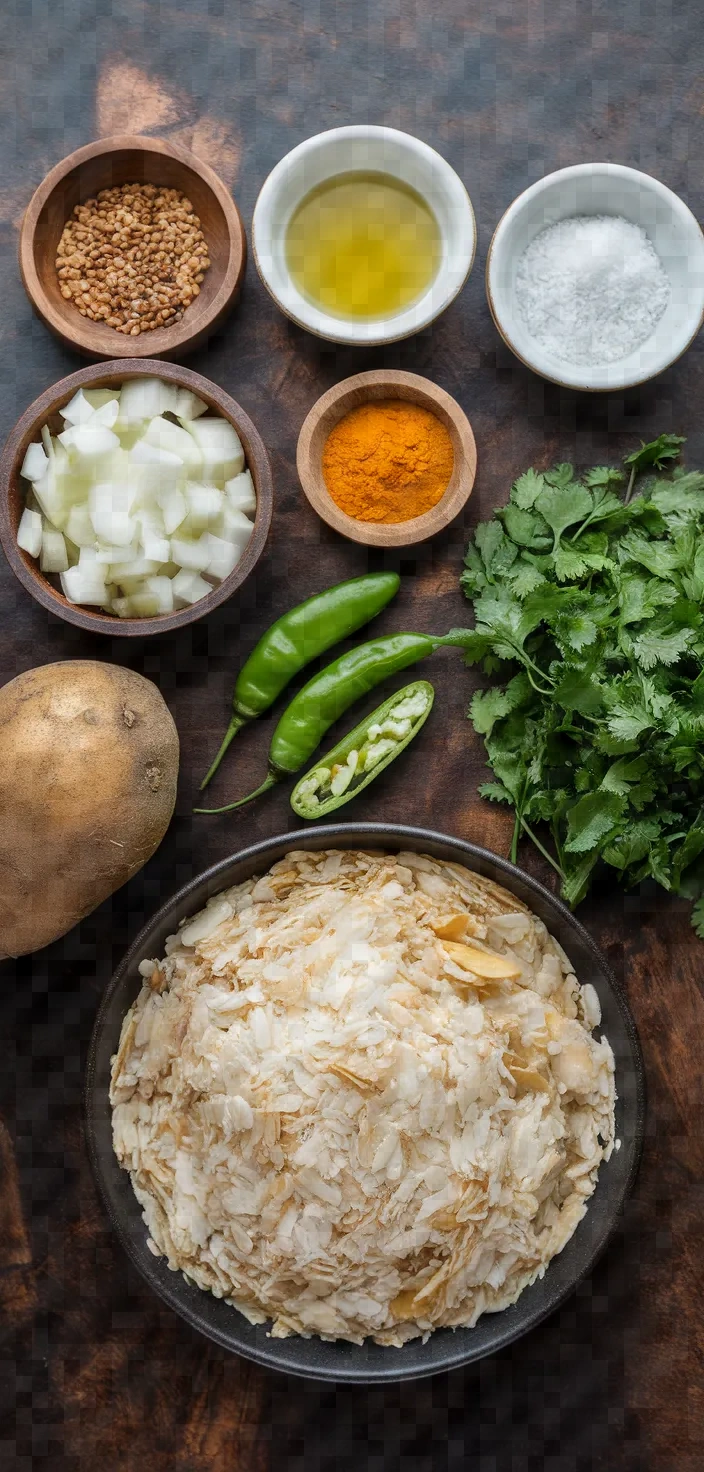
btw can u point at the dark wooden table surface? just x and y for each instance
(94, 1373)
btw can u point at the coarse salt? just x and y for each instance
(591, 289)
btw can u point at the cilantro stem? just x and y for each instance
(514, 840)
(629, 487)
(539, 846)
(538, 688)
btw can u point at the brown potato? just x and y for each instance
(88, 772)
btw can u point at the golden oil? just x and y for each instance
(363, 245)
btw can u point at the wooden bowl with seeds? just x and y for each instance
(109, 164)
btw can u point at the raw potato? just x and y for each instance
(88, 771)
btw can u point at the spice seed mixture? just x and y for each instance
(134, 257)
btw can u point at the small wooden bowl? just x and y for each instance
(386, 384)
(131, 160)
(13, 492)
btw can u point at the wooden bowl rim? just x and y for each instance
(162, 340)
(27, 571)
(335, 403)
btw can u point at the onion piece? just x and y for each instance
(83, 584)
(173, 508)
(240, 492)
(163, 434)
(188, 405)
(79, 527)
(189, 587)
(127, 572)
(35, 463)
(145, 398)
(205, 505)
(29, 532)
(220, 446)
(79, 410)
(224, 557)
(54, 557)
(194, 556)
(235, 527)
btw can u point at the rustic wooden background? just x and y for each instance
(94, 1373)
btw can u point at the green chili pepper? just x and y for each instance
(330, 693)
(296, 638)
(364, 753)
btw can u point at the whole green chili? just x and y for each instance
(364, 752)
(299, 636)
(329, 694)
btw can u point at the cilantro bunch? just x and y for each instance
(589, 607)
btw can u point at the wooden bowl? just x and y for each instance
(13, 491)
(131, 160)
(360, 389)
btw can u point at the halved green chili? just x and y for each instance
(330, 693)
(299, 636)
(364, 753)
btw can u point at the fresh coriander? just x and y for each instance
(589, 608)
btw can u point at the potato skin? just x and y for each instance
(88, 771)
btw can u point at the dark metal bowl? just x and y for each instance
(446, 1349)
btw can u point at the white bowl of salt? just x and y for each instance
(595, 277)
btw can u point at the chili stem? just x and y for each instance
(235, 725)
(270, 782)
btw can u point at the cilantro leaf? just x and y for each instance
(591, 819)
(494, 792)
(698, 917)
(659, 452)
(487, 707)
(560, 476)
(525, 490)
(661, 643)
(601, 734)
(603, 476)
(562, 505)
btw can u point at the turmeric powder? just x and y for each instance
(388, 460)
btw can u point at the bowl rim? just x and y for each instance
(348, 1361)
(36, 582)
(586, 170)
(183, 335)
(339, 330)
(417, 528)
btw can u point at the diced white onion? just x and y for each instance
(220, 446)
(188, 587)
(29, 532)
(79, 527)
(129, 507)
(193, 555)
(205, 504)
(54, 557)
(163, 434)
(35, 463)
(145, 398)
(188, 406)
(173, 508)
(223, 557)
(240, 492)
(79, 410)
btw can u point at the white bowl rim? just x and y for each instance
(380, 330)
(558, 371)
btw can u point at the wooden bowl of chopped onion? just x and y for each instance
(132, 247)
(134, 498)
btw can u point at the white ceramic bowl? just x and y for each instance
(381, 150)
(602, 189)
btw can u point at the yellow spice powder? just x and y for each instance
(388, 460)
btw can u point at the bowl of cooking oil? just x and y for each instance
(363, 235)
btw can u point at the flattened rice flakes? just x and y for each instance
(334, 1124)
